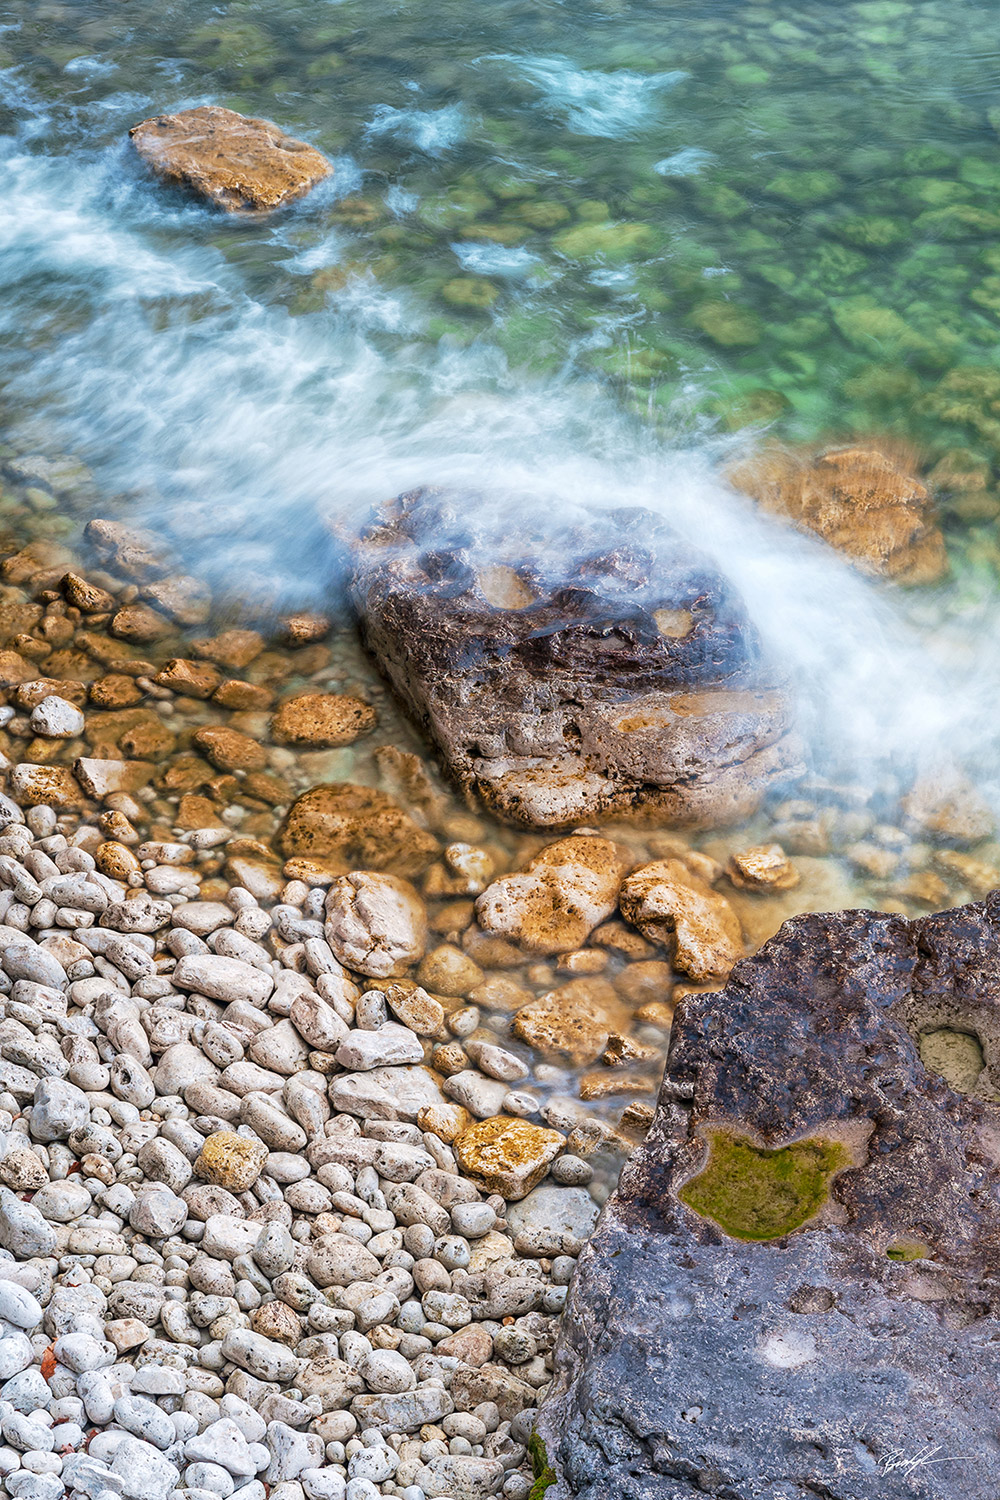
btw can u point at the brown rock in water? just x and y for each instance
(671, 905)
(230, 750)
(795, 1289)
(861, 500)
(574, 1022)
(506, 1155)
(606, 671)
(321, 720)
(764, 867)
(135, 553)
(568, 888)
(236, 162)
(356, 827)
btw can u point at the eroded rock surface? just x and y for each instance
(615, 673)
(236, 162)
(794, 1291)
(862, 501)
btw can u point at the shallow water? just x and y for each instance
(579, 253)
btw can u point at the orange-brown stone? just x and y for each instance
(236, 162)
(322, 720)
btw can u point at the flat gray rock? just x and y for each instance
(794, 1291)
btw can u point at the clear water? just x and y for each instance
(584, 248)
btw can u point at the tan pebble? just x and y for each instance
(622, 1050)
(186, 600)
(322, 720)
(646, 981)
(764, 867)
(636, 1119)
(574, 1021)
(415, 1008)
(234, 693)
(506, 1155)
(452, 919)
(449, 971)
(553, 905)
(230, 750)
(671, 905)
(137, 622)
(303, 629)
(606, 1085)
(116, 861)
(275, 1320)
(32, 785)
(583, 961)
(232, 649)
(978, 875)
(231, 1161)
(197, 812)
(656, 1013)
(195, 679)
(87, 597)
(924, 888)
(446, 1121)
(116, 826)
(115, 691)
(358, 826)
(473, 1345)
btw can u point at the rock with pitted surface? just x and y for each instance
(795, 1290)
(863, 501)
(606, 671)
(237, 163)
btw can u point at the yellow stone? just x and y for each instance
(231, 1161)
(506, 1155)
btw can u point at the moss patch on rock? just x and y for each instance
(758, 1194)
(543, 1471)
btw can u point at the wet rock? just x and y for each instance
(573, 1022)
(230, 750)
(764, 867)
(862, 501)
(37, 786)
(236, 162)
(671, 905)
(567, 890)
(627, 680)
(351, 827)
(316, 720)
(824, 1165)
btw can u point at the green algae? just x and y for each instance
(804, 188)
(728, 324)
(470, 292)
(758, 1194)
(543, 1472)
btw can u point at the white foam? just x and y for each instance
(594, 101)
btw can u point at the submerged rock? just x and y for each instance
(794, 1290)
(862, 501)
(236, 162)
(605, 670)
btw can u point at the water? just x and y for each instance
(579, 254)
(583, 251)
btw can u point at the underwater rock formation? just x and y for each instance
(861, 500)
(611, 670)
(795, 1289)
(236, 162)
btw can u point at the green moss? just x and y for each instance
(614, 242)
(471, 292)
(987, 294)
(720, 202)
(981, 172)
(756, 1194)
(543, 1471)
(878, 330)
(960, 221)
(906, 1250)
(933, 192)
(804, 188)
(926, 159)
(728, 324)
(748, 75)
(544, 214)
(872, 231)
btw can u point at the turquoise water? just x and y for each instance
(602, 244)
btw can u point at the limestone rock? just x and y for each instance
(375, 924)
(231, 1161)
(507, 1155)
(573, 1022)
(236, 162)
(823, 1167)
(356, 827)
(764, 867)
(567, 890)
(671, 905)
(322, 719)
(862, 501)
(626, 680)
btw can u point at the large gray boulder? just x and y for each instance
(794, 1292)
